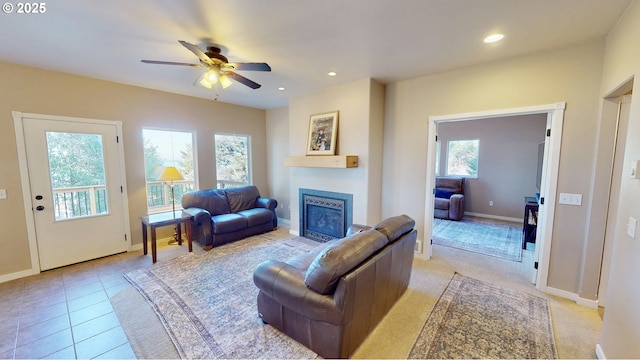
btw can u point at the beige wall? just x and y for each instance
(31, 90)
(622, 316)
(571, 74)
(508, 161)
(278, 148)
(359, 133)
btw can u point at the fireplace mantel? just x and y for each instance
(324, 161)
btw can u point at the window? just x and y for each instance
(164, 148)
(232, 160)
(462, 158)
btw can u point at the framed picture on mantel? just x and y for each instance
(323, 132)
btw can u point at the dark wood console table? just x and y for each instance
(530, 221)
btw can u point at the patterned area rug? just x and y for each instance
(475, 320)
(499, 240)
(207, 301)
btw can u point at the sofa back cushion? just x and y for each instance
(212, 200)
(453, 184)
(394, 227)
(340, 257)
(242, 198)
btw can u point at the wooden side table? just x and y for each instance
(164, 219)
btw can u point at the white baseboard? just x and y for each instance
(294, 232)
(562, 293)
(496, 217)
(284, 222)
(599, 352)
(592, 304)
(17, 275)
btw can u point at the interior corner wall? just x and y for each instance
(277, 150)
(570, 75)
(353, 101)
(621, 324)
(374, 175)
(31, 90)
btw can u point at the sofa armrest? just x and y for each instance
(285, 284)
(198, 216)
(267, 203)
(456, 206)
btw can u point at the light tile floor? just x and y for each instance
(65, 313)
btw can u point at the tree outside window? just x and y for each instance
(462, 158)
(232, 160)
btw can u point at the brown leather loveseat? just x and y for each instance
(220, 216)
(331, 298)
(449, 200)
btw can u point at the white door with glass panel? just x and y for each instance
(75, 185)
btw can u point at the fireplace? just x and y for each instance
(324, 215)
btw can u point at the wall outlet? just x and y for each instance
(3, 194)
(418, 248)
(491, 203)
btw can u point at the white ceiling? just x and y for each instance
(302, 40)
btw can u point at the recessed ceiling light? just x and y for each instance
(332, 73)
(493, 38)
(281, 88)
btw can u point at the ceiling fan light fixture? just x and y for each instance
(208, 79)
(225, 82)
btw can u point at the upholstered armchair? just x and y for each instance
(449, 201)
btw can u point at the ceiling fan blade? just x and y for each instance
(196, 50)
(251, 66)
(243, 80)
(170, 63)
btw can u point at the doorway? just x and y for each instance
(72, 173)
(549, 178)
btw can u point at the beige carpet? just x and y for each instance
(576, 328)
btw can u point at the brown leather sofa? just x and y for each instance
(449, 200)
(331, 298)
(220, 216)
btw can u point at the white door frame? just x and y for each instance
(555, 119)
(26, 187)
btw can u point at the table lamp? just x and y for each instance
(170, 173)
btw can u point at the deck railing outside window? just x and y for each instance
(79, 201)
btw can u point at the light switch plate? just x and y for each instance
(570, 199)
(631, 227)
(3, 194)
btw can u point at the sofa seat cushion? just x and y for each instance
(257, 216)
(227, 223)
(441, 204)
(340, 257)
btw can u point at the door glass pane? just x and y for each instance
(76, 165)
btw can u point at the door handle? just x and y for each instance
(39, 207)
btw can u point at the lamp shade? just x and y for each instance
(170, 173)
